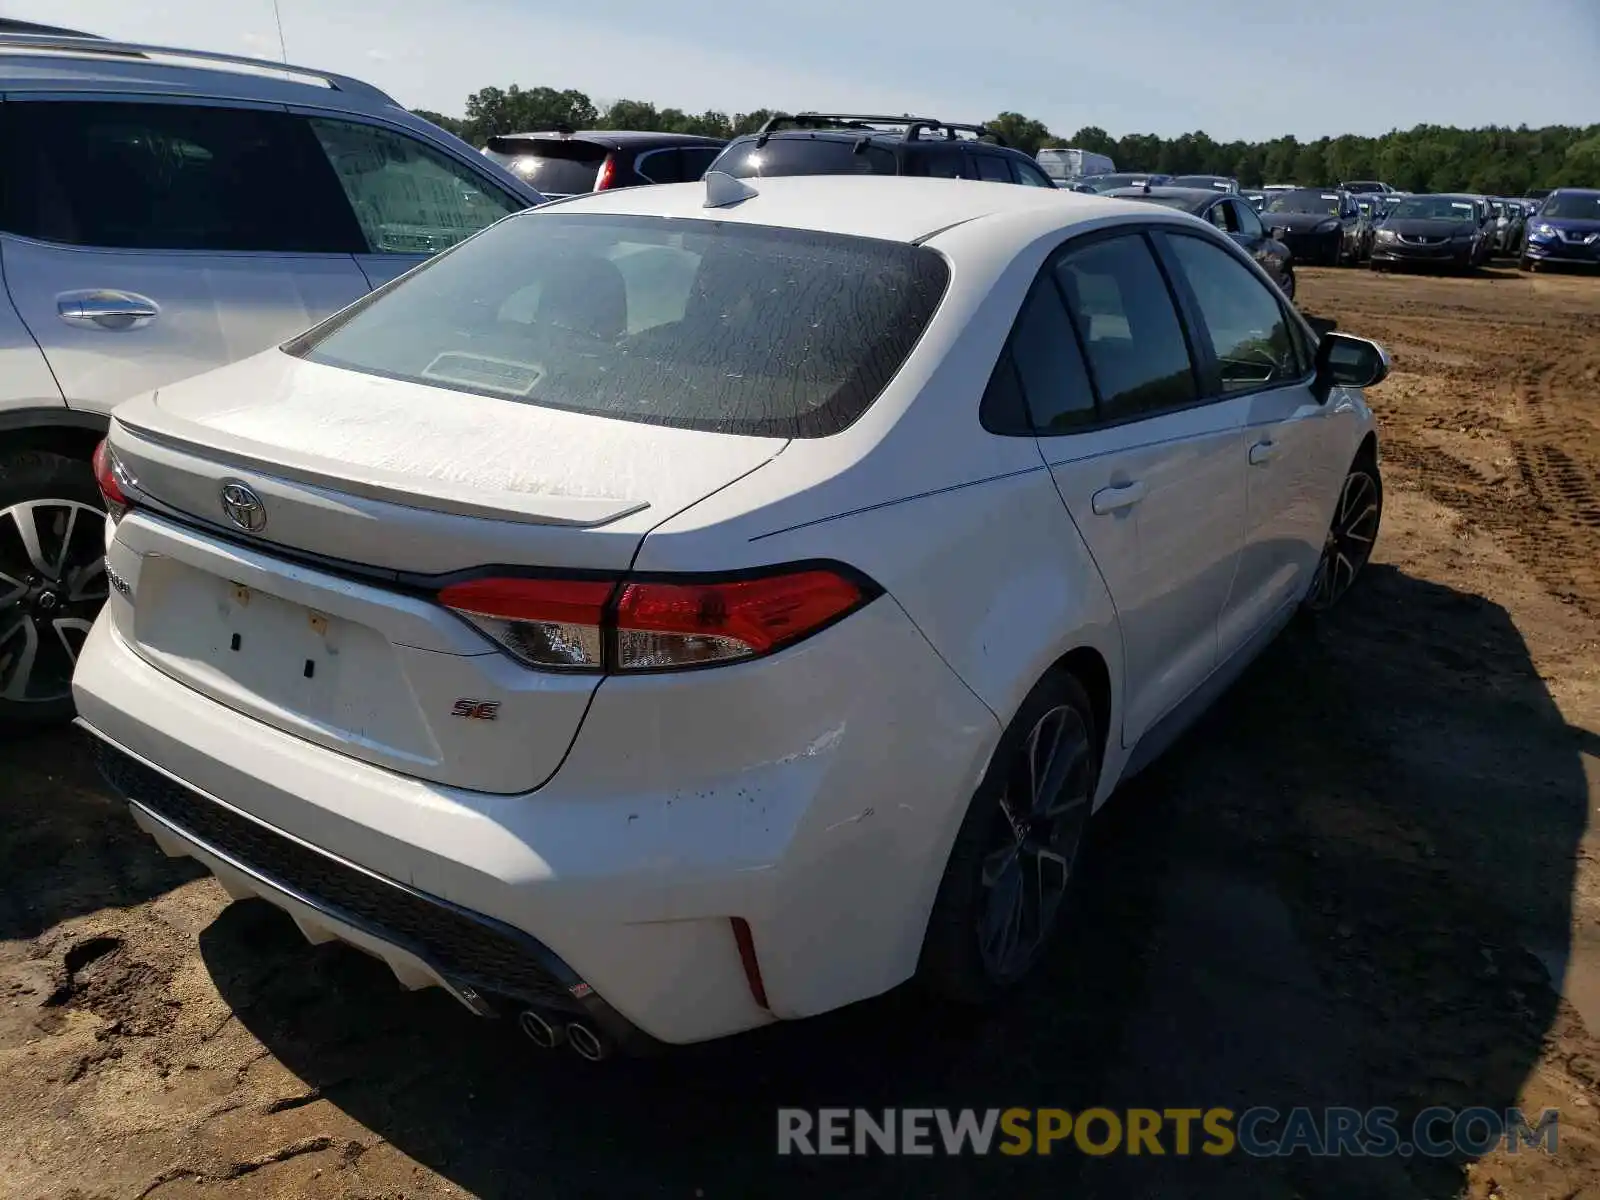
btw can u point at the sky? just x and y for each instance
(1238, 69)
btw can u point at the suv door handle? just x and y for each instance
(106, 309)
(1114, 499)
(1262, 453)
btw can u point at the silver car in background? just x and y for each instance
(165, 212)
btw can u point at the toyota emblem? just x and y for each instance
(243, 507)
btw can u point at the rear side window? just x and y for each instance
(660, 166)
(697, 160)
(1129, 327)
(408, 198)
(938, 163)
(807, 156)
(697, 324)
(170, 177)
(993, 168)
(1049, 365)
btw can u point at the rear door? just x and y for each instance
(1147, 465)
(410, 199)
(147, 240)
(1258, 359)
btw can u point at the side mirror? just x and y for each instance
(1344, 360)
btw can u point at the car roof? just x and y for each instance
(54, 63)
(892, 207)
(618, 138)
(1575, 191)
(1195, 195)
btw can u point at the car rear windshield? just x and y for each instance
(1305, 202)
(697, 324)
(806, 156)
(554, 167)
(1573, 206)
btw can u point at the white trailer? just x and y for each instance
(1068, 166)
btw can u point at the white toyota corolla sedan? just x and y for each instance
(685, 608)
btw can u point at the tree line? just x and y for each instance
(1429, 158)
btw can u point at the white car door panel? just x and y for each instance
(1160, 503)
(1286, 490)
(113, 323)
(1257, 359)
(1149, 474)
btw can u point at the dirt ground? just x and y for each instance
(1367, 878)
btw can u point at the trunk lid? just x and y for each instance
(411, 478)
(382, 479)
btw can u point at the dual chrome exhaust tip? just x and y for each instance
(586, 1042)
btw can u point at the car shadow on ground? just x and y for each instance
(1333, 892)
(66, 847)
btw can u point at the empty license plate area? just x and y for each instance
(288, 664)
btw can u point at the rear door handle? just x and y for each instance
(104, 309)
(1114, 499)
(1262, 453)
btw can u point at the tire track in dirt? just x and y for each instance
(1548, 511)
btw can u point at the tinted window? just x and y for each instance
(1221, 215)
(1049, 364)
(1129, 327)
(1248, 332)
(171, 177)
(992, 167)
(409, 198)
(563, 167)
(1249, 224)
(696, 159)
(1029, 176)
(660, 166)
(938, 163)
(699, 324)
(806, 156)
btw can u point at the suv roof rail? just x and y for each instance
(90, 45)
(914, 127)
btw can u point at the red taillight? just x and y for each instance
(653, 625)
(608, 174)
(684, 624)
(107, 474)
(555, 623)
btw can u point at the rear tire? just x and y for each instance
(52, 581)
(1012, 865)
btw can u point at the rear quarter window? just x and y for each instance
(697, 324)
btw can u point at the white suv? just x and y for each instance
(165, 212)
(683, 608)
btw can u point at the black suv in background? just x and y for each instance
(565, 162)
(846, 144)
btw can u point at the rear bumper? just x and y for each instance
(817, 801)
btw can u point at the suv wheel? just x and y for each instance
(52, 580)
